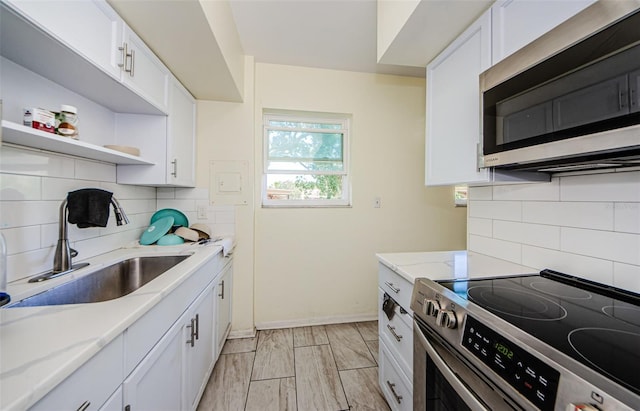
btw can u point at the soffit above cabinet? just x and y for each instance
(413, 33)
(196, 39)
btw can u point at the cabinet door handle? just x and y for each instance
(393, 288)
(222, 293)
(123, 52)
(393, 331)
(84, 406)
(133, 62)
(192, 326)
(197, 326)
(175, 167)
(392, 387)
(127, 407)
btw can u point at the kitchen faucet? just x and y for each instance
(62, 258)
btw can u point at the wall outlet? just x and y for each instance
(202, 212)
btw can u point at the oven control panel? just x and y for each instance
(531, 377)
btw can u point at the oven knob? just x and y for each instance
(430, 307)
(446, 319)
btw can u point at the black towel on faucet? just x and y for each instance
(89, 207)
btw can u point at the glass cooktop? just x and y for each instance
(597, 325)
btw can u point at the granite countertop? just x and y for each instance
(445, 265)
(41, 346)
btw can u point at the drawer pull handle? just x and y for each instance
(393, 331)
(197, 326)
(390, 285)
(393, 391)
(84, 406)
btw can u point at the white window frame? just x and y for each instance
(345, 121)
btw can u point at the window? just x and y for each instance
(306, 160)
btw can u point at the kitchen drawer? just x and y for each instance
(397, 287)
(396, 387)
(397, 334)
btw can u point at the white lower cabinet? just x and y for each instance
(199, 357)
(156, 383)
(223, 306)
(90, 385)
(162, 361)
(114, 403)
(395, 334)
(395, 385)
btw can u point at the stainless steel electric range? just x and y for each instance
(546, 341)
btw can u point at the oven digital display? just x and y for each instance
(503, 349)
(531, 377)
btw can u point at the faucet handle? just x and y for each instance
(73, 252)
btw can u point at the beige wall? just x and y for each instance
(225, 132)
(318, 265)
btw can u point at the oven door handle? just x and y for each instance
(461, 389)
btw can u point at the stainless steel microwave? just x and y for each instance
(570, 100)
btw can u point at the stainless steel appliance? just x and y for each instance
(569, 100)
(544, 341)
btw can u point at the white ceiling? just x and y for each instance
(331, 34)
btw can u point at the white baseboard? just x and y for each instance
(250, 333)
(271, 325)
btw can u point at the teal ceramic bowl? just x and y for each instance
(170, 239)
(179, 219)
(156, 230)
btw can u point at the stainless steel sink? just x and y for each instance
(105, 284)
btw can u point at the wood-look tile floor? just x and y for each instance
(325, 368)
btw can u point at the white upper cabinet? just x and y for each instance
(517, 23)
(142, 71)
(453, 107)
(182, 137)
(72, 22)
(167, 141)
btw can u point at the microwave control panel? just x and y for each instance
(531, 377)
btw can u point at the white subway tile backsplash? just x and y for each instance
(24, 265)
(538, 191)
(26, 213)
(35, 163)
(22, 239)
(626, 276)
(96, 171)
(127, 192)
(620, 247)
(623, 186)
(179, 204)
(33, 184)
(480, 226)
(627, 217)
(192, 193)
(498, 210)
(597, 215)
(14, 187)
(57, 188)
(480, 193)
(586, 267)
(584, 225)
(166, 192)
(504, 250)
(533, 234)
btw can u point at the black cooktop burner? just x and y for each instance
(596, 325)
(517, 303)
